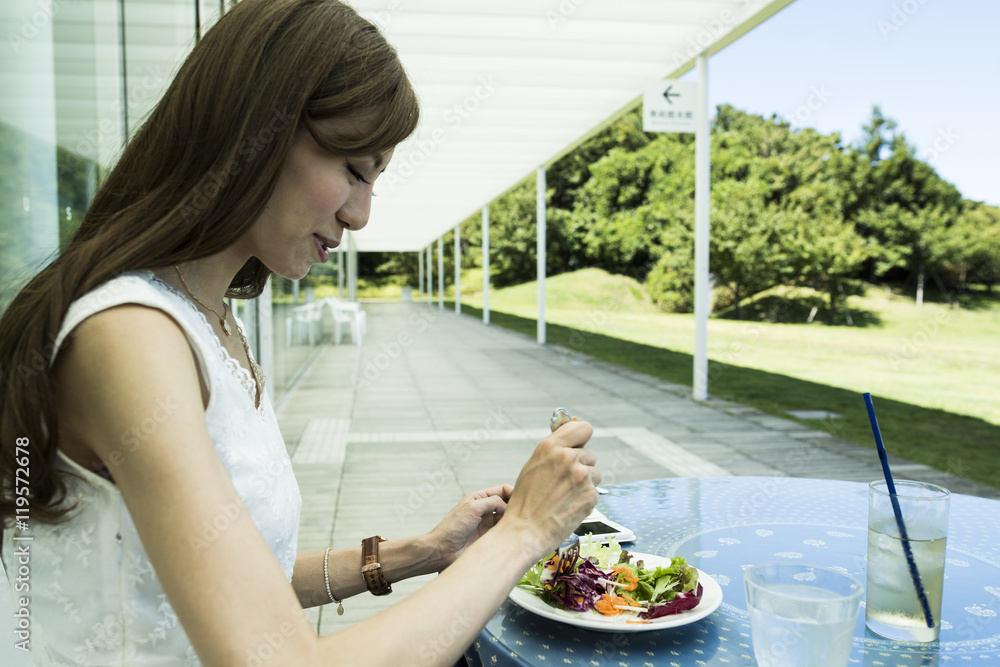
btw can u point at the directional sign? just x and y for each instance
(669, 106)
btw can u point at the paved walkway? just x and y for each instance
(387, 437)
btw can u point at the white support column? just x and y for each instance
(702, 202)
(540, 250)
(458, 268)
(420, 276)
(430, 276)
(441, 272)
(486, 264)
(340, 270)
(265, 332)
(352, 268)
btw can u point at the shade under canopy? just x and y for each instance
(508, 86)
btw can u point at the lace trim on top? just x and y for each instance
(237, 370)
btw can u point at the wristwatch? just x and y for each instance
(371, 569)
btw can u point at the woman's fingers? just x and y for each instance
(489, 505)
(572, 434)
(595, 477)
(587, 457)
(555, 489)
(502, 491)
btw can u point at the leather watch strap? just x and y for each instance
(371, 568)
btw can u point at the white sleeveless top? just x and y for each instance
(95, 599)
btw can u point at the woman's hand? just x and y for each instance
(468, 521)
(556, 488)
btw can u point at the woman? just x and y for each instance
(161, 504)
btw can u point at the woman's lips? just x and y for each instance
(324, 254)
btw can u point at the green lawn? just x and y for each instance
(934, 371)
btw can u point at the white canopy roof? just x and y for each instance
(507, 86)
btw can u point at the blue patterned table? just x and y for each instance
(723, 524)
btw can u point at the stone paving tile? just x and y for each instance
(434, 418)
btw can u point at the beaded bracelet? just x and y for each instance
(326, 578)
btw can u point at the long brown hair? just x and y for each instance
(194, 178)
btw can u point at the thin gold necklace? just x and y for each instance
(258, 374)
(225, 306)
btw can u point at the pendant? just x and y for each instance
(225, 327)
(340, 609)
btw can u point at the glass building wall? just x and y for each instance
(78, 77)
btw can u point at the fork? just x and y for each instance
(569, 551)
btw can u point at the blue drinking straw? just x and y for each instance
(884, 458)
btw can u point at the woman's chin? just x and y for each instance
(292, 274)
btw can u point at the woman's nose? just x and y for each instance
(353, 215)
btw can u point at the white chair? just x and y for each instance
(305, 320)
(344, 315)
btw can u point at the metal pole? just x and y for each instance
(540, 250)
(197, 20)
(458, 268)
(124, 66)
(340, 271)
(352, 269)
(430, 277)
(486, 264)
(420, 276)
(441, 272)
(702, 190)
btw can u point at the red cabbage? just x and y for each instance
(682, 602)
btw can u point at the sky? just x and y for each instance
(933, 66)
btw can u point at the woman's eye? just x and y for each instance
(357, 174)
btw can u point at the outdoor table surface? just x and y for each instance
(722, 525)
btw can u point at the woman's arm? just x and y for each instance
(231, 596)
(400, 559)
(403, 558)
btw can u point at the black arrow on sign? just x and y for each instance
(667, 94)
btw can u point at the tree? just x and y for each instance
(975, 246)
(747, 252)
(903, 204)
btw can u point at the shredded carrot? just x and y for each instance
(606, 605)
(633, 581)
(631, 601)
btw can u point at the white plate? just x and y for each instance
(711, 598)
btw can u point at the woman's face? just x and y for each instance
(317, 197)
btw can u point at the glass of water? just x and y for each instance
(900, 604)
(801, 615)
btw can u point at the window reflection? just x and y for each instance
(78, 77)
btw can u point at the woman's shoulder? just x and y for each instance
(138, 288)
